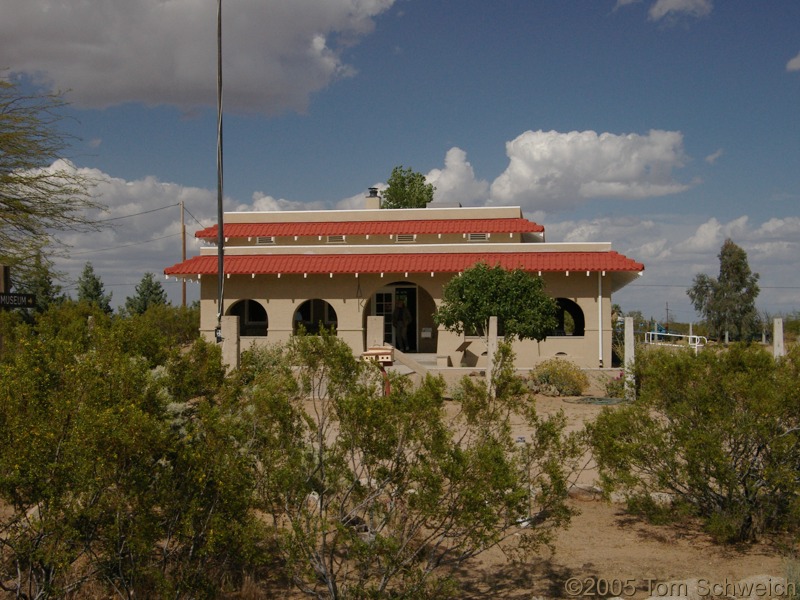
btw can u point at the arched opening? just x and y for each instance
(570, 318)
(253, 319)
(314, 314)
(420, 331)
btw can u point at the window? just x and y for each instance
(570, 318)
(313, 314)
(252, 318)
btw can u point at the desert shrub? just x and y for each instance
(103, 487)
(565, 376)
(386, 496)
(615, 387)
(718, 432)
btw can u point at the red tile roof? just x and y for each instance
(430, 226)
(402, 263)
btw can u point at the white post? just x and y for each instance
(230, 341)
(600, 317)
(777, 338)
(630, 350)
(491, 350)
(374, 331)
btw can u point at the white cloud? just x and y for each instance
(549, 170)
(275, 53)
(621, 3)
(264, 203)
(674, 8)
(794, 64)
(710, 235)
(141, 233)
(456, 182)
(673, 251)
(714, 157)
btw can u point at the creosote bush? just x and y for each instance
(132, 470)
(717, 433)
(374, 496)
(564, 375)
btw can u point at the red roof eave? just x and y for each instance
(430, 226)
(404, 263)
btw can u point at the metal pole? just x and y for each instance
(220, 233)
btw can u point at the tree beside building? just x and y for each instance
(407, 189)
(515, 297)
(727, 303)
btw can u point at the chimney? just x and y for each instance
(373, 201)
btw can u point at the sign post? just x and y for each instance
(17, 300)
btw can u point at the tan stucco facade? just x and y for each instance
(270, 304)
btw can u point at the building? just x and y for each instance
(336, 268)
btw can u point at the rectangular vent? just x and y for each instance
(406, 238)
(477, 237)
(265, 239)
(336, 239)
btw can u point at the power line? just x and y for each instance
(163, 237)
(191, 215)
(670, 285)
(144, 212)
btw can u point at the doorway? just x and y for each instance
(383, 304)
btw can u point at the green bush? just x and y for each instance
(615, 387)
(718, 432)
(563, 375)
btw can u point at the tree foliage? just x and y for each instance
(92, 291)
(149, 292)
(516, 298)
(407, 189)
(40, 194)
(108, 481)
(130, 472)
(384, 496)
(39, 280)
(717, 433)
(727, 303)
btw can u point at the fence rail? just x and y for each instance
(677, 340)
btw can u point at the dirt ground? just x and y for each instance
(607, 552)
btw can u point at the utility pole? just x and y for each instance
(220, 234)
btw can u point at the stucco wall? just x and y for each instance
(350, 297)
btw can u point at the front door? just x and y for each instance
(385, 301)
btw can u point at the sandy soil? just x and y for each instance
(607, 550)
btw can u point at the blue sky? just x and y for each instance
(663, 126)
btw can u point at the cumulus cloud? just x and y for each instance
(714, 156)
(456, 183)
(549, 170)
(264, 203)
(141, 233)
(674, 249)
(275, 53)
(794, 64)
(675, 8)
